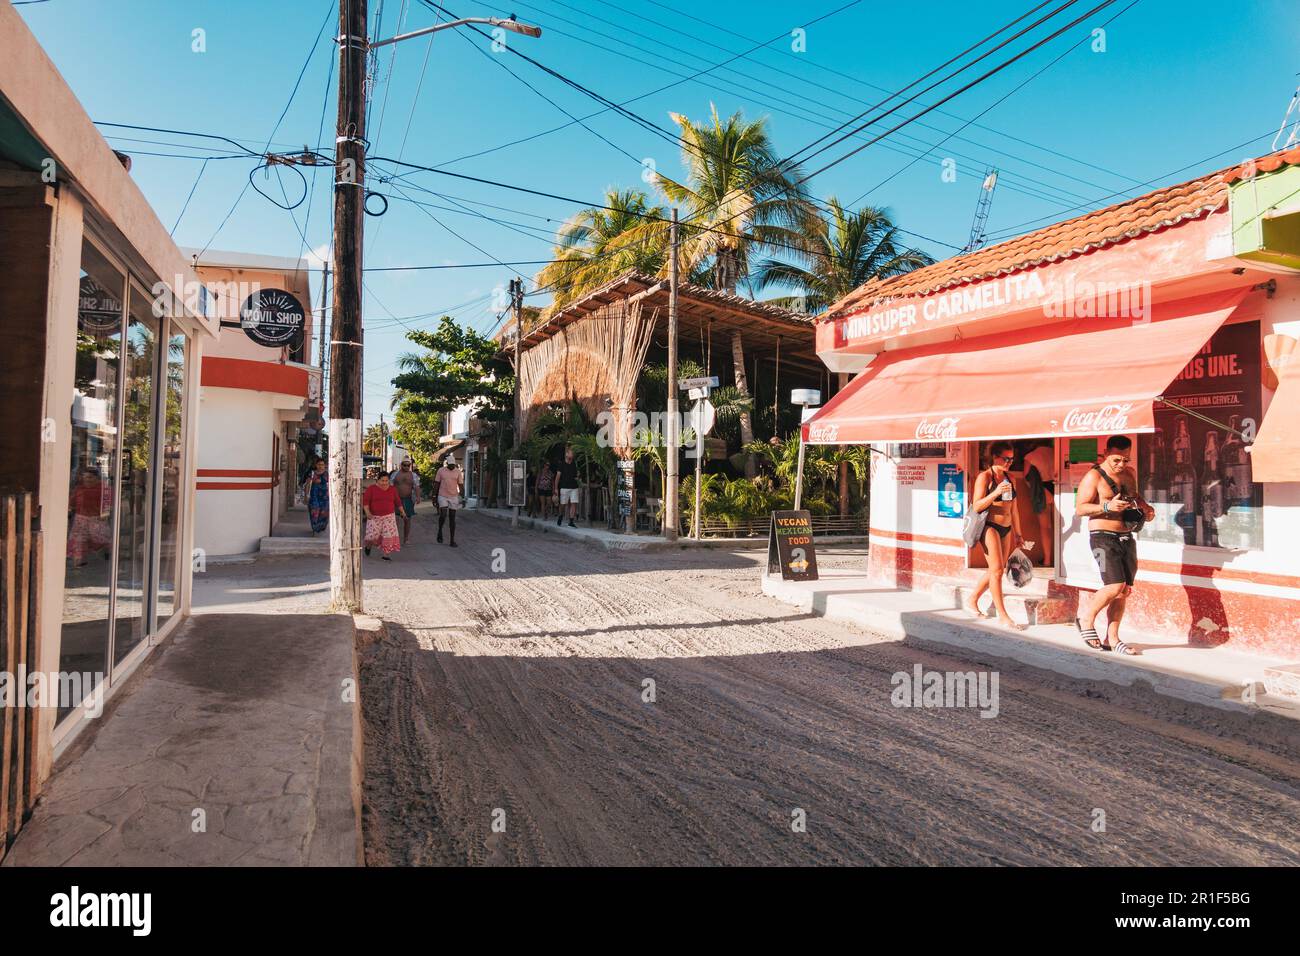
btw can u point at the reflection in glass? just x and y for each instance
(91, 500)
(172, 446)
(137, 466)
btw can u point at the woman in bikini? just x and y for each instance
(995, 493)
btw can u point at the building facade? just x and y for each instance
(1169, 319)
(259, 401)
(107, 324)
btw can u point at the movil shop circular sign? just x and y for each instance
(272, 317)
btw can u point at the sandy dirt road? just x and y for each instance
(515, 696)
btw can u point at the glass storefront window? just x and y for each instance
(134, 527)
(173, 446)
(92, 496)
(1196, 473)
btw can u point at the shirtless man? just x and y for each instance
(407, 483)
(1109, 499)
(995, 493)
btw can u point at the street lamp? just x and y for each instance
(803, 397)
(345, 329)
(513, 25)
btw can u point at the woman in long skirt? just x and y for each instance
(381, 502)
(318, 497)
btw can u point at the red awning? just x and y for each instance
(1080, 377)
(1275, 454)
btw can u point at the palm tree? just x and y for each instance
(737, 194)
(837, 254)
(598, 245)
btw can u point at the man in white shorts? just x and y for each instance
(566, 487)
(448, 482)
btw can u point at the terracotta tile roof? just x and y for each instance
(1165, 207)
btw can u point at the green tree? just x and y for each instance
(458, 366)
(598, 245)
(737, 194)
(836, 254)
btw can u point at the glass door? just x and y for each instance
(170, 561)
(86, 630)
(137, 472)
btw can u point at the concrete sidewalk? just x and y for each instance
(238, 742)
(1216, 677)
(604, 538)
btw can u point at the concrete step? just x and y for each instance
(1030, 605)
(317, 545)
(1217, 677)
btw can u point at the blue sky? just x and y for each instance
(1181, 87)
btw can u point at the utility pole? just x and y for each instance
(672, 439)
(346, 334)
(517, 304)
(320, 348)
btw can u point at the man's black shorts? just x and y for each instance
(1117, 556)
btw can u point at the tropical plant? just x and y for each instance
(837, 253)
(600, 244)
(738, 194)
(651, 445)
(711, 486)
(458, 367)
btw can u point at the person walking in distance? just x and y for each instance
(1109, 499)
(380, 503)
(448, 481)
(995, 493)
(545, 485)
(316, 490)
(407, 482)
(566, 487)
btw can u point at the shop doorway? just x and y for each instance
(1034, 474)
(127, 417)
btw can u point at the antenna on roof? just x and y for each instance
(1295, 125)
(981, 221)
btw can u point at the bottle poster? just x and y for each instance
(952, 494)
(1195, 473)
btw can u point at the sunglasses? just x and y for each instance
(1006, 459)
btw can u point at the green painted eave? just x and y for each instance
(1266, 217)
(17, 145)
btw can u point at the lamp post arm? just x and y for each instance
(490, 21)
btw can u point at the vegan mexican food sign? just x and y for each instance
(790, 546)
(272, 317)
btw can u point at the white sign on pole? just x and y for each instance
(703, 417)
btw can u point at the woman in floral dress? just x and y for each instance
(318, 496)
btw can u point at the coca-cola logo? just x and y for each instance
(1108, 418)
(818, 434)
(943, 430)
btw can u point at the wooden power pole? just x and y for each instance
(517, 306)
(673, 438)
(345, 339)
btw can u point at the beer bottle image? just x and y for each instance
(1182, 495)
(1155, 484)
(1183, 439)
(1236, 466)
(1238, 491)
(1211, 491)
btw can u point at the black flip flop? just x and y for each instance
(1090, 636)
